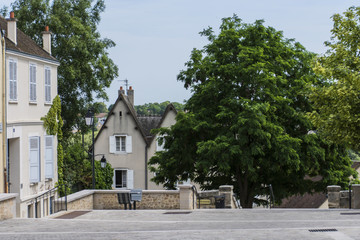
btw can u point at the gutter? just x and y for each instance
(3, 117)
(146, 168)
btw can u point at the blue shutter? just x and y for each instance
(34, 158)
(49, 157)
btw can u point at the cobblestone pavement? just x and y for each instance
(199, 224)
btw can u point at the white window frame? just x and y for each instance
(32, 83)
(34, 160)
(12, 80)
(128, 179)
(116, 144)
(47, 83)
(49, 156)
(159, 147)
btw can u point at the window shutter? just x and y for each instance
(112, 144)
(32, 83)
(12, 80)
(49, 160)
(130, 179)
(34, 158)
(128, 144)
(47, 85)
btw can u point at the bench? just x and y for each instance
(124, 198)
(135, 195)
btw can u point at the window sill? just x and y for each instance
(120, 153)
(48, 179)
(33, 184)
(13, 102)
(47, 104)
(32, 103)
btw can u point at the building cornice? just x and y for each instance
(33, 57)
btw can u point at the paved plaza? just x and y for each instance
(198, 224)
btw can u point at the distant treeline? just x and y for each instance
(156, 108)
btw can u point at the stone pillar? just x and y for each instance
(334, 196)
(356, 192)
(227, 190)
(186, 197)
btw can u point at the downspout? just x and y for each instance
(146, 167)
(3, 117)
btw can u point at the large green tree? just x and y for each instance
(85, 68)
(246, 123)
(337, 103)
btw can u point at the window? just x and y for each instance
(47, 85)
(12, 80)
(124, 178)
(32, 83)
(120, 144)
(34, 158)
(49, 157)
(160, 147)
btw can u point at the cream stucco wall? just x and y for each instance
(24, 121)
(168, 121)
(124, 125)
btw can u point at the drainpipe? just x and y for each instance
(146, 167)
(3, 117)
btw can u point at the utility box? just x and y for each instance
(136, 195)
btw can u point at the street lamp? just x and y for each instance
(103, 162)
(89, 119)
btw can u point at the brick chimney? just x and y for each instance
(11, 28)
(46, 35)
(130, 94)
(121, 91)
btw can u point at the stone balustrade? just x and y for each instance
(340, 199)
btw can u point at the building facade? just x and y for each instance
(127, 143)
(31, 85)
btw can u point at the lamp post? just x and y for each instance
(89, 119)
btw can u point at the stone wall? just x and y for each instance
(185, 198)
(340, 199)
(7, 206)
(160, 199)
(82, 200)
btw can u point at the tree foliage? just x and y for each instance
(337, 103)
(85, 68)
(78, 168)
(53, 125)
(156, 108)
(246, 123)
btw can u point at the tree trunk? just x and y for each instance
(245, 192)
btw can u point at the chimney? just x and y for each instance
(11, 28)
(130, 93)
(121, 91)
(47, 40)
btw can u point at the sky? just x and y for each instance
(154, 38)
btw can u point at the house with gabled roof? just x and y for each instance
(31, 85)
(126, 141)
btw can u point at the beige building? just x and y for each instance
(31, 85)
(127, 143)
